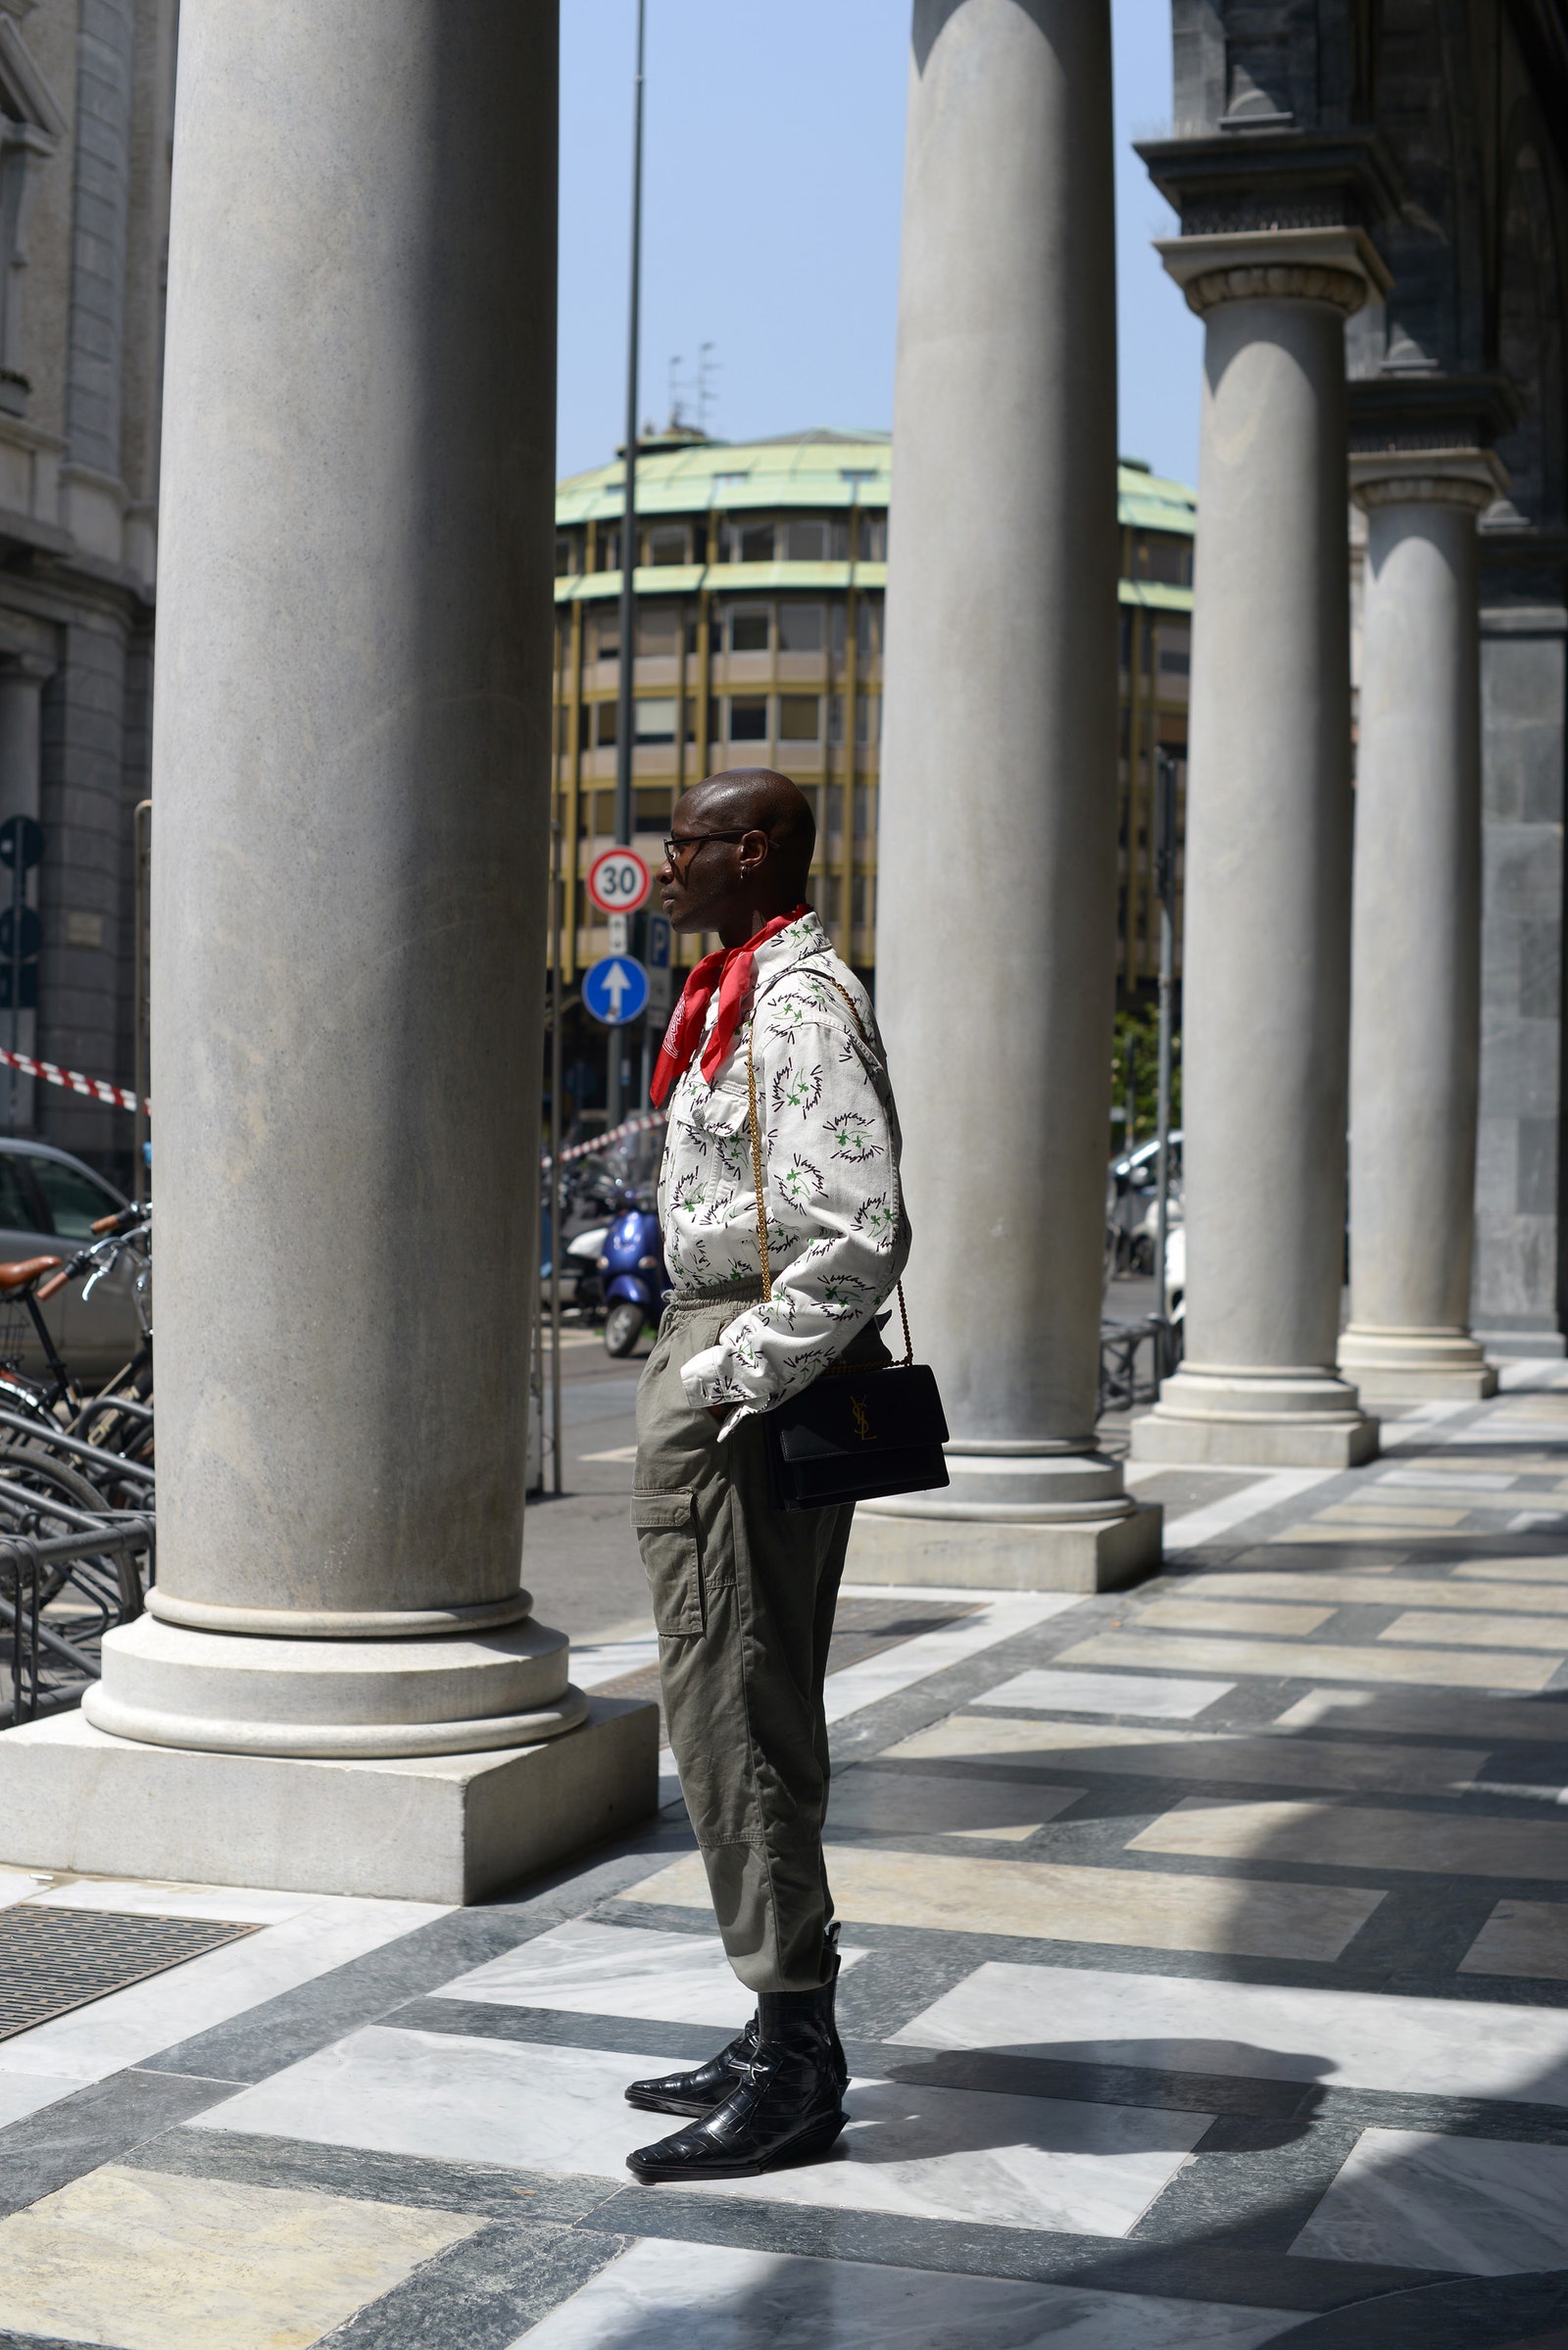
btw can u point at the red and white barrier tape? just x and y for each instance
(97, 1089)
(643, 1124)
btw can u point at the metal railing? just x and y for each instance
(49, 1672)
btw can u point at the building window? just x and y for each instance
(808, 542)
(656, 722)
(565, 556)
(666, 545)
(835, 720)
(748, 719)
(867, 720)
(800, 627)
(653, 810)
(867, 628)
(658, 630)
(1175, 649)
(608, 548)
(1169, 560)
(865, 811)
(799, 719)
(874, 538)
(1124, 640)
(604, 714)
(563, 730)
(865, 901)
(603, 634)
(750, 627)
(748, 542)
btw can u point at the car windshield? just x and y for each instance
(75, 1200)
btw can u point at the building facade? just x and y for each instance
(760, 580)
(86, 109)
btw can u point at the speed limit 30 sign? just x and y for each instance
(618, 881)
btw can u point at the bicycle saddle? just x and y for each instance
(17, 1277)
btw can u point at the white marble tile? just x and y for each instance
(1413, 2199)
(1258, 2031)
(1046, 1692)
(132, 1896)
(607, 1660)
(1318, 1660)
(1189, 1529)
(668, 2295)
(1450, 1714)
(1449, 1481)
(137, 2023)
(1018, 2162)
(16, 1885)
(24, 2094)
(619, 1971)
(1258, 1758)
(1216, 1610)
(895, 1669)
(1360, 1836)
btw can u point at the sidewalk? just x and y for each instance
(1206, 1983)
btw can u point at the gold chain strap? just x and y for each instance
(757, 1158)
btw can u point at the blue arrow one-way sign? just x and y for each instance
(614, 990)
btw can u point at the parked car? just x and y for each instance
(49, 1202)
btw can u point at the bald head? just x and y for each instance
(744, 839)
(761, 799)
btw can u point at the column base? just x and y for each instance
(1273, 1419)
(890, 1545)
(452, 1828)
(1412, 1366)
(1534, 1343)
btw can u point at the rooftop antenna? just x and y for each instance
(706, 369)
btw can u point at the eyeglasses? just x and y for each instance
(676, 843)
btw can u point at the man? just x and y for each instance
(744, 1593)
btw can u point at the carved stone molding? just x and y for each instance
(1338, 266)
(1473, 478)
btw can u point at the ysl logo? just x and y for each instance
(863, 1425)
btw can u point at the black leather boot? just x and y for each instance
(698, 2093)
(786, 2108)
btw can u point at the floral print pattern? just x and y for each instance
(837, 1234)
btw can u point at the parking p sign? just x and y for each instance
(618, 881)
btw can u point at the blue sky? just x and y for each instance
(774, 158)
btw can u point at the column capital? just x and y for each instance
(1470, 477)
(33, 669)
(1336, 266)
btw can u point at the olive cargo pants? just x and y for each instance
(743, 1599)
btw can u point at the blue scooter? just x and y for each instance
(632, 1270)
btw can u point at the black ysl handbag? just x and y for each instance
(856, 1432)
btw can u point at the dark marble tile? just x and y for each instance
(98, 2124)
(1201, 2272)
(1254, 2183)
(367, 2177)
(482, 2294)
(1462, 2313)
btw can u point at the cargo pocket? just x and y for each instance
(665, 1525)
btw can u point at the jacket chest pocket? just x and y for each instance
(665, 1526)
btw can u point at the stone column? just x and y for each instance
(22, 682)
(351, 762)
(1265, 1028)
(996, 851)
(1415, 1005)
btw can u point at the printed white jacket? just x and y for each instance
(837, 1234)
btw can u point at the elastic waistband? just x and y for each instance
(732, 1293)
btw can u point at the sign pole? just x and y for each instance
(556, 908)
(625, 717)
(1165, 888)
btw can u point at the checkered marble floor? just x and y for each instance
(1205, 1983)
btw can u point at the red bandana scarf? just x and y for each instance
(730, 969)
